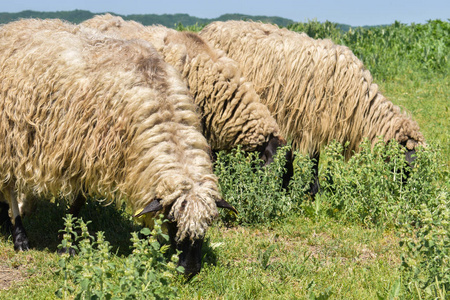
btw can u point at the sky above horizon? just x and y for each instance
(350, 12)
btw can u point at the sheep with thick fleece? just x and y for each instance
(82, 113)
(318, 91)
(232, 113)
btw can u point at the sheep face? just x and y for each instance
(410, 157)
(268, 151)
(191, 251)
(190, 257)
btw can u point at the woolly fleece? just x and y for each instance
(85, 113)
(317, 91)
(232, 113)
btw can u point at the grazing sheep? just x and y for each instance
(316, 90)
(81, 113)
(232, 112)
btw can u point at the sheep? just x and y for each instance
(85, 114)
(232, 113)
(317, 91)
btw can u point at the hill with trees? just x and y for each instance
(168, 20)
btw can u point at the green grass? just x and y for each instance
(307, 257)
(303, 257)
(312, 250)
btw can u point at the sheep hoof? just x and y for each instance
(21, 242)
(65, 250)
(20, 236)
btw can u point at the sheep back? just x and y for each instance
(318, 91)
(232, 113)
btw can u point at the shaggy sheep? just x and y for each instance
(232, 112)
(316, 90)
(86, 114)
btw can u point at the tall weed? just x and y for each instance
(424, 228)
(369, 188)
(426, 248)
(96, 273)
(254, 190)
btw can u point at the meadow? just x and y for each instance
(369, 234)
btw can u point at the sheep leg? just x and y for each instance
(289, 166)
(5, 220)
(77, 204)
(314, 186)
(19, 234)
(74, 210)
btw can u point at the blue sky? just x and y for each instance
(351, 12)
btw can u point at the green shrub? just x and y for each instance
(389, 51)
(95, 273)
(372, 189)
(254, 190)
(195, 28)
(426, 249)
(368, 188)
(299, 185)
(424, 228)
(318, 30)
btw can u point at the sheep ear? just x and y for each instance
(152, 206)
(224, 204)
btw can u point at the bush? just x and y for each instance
(254, 190)
(299, 186)
(318, 30)
(194, 28)
(424, 228)
(96, 274)
(426, 249)
(369, 188)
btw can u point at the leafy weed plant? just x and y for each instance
(95, 274)
(372, 189)
(426, 249)
(368, 188)
(253, 189)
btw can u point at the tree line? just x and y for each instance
(168, 20)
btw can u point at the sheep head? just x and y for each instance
(267, 152)
(191, 248)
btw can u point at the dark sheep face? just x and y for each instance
(410, 157)
(191, 256)
(191, 251)
(268, 151)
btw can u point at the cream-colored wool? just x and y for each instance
(232, 113)
(318, 91)
(81, 112)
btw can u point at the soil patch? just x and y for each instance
(8, 276)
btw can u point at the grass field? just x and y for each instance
(315, 250)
